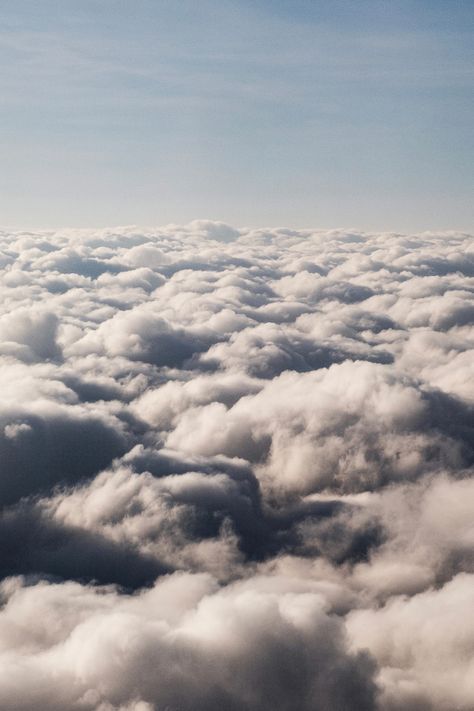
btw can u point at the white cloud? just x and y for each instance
(236, 469)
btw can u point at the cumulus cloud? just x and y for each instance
(184, 643)
(236, 470)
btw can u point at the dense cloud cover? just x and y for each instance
(235, 470)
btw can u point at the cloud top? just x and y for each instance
(236, 470)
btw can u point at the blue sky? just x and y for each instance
(299, 113)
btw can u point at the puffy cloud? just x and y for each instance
(429, 536)
(140, 335)
(29, 335)
(184, 644)
(424, 646)
(46, 444)
(236, 470)
(350, 427)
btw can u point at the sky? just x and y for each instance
(340, 114)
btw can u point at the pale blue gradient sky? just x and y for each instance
(286, 112)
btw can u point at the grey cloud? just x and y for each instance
(43, 448)
(35, 544)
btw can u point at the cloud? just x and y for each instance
(349, 427)
(236, 469)
(29, 335)
(423, 645)
(184, 643)
(35, 543)
(138, 334)
(43, 446)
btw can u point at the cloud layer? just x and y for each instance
(235, 470)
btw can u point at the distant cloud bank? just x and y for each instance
(236, 470)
